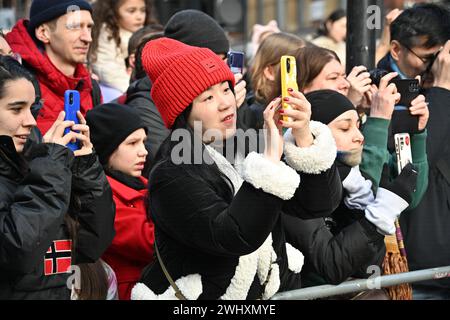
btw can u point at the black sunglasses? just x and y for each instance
(426, 60)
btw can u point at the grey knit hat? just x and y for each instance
(198, 29)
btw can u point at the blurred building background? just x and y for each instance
(236, 16)
(11, 11)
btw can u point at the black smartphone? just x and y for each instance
(409, 89)
(402, 119)
(235, 60)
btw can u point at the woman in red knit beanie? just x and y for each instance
(219, 221)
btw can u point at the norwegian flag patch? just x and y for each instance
(58, 257)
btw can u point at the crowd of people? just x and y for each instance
(163, 198)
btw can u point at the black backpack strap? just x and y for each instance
(96, 93)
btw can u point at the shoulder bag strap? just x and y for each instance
(178, 293)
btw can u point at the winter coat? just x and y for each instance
(132, 247)
(251, 114)
(332, 256)
(52, 82)
(138, 97)
(36, 248)
(110, 64)
(426, 228)
(237, 249)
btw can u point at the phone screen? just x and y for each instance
(235, 60)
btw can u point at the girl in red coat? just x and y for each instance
(118, 135)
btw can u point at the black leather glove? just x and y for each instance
(404, 185)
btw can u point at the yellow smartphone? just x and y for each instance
(288, 80)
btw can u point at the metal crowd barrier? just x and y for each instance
(364, 284)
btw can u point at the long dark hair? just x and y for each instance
(105, 13)
(209, 172)
(93, 278)
(333, 17)
(138, 71)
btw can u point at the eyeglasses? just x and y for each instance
(426, 60)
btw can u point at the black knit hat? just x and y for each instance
(110, 124)
(327, 105)
(198, 29)
(42, 11)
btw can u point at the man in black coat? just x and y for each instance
(420, 46)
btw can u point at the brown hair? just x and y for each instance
(138, 71)
(105, 12)
(310, 62)
(269, 54)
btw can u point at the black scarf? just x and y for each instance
(132, 182)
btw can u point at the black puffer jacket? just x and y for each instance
(138, 97)
(331, 258)
(36, 194)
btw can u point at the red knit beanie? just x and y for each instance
(179, 74)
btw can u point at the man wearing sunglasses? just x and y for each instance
(420, 46)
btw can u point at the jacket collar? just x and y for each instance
(126, 193)
(388, 63)
(12, 165)
(384, 63)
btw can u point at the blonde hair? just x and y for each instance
(269, 54)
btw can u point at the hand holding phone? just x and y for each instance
(288, 80)
(408, 89)
(402, 119)
(71, 106)
(235, 60)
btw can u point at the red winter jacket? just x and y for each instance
(53, 83)
(133, 246)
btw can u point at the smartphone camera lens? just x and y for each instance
(71, 98)
(288, 65)
(413, 87)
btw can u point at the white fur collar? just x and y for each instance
(318, 157)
